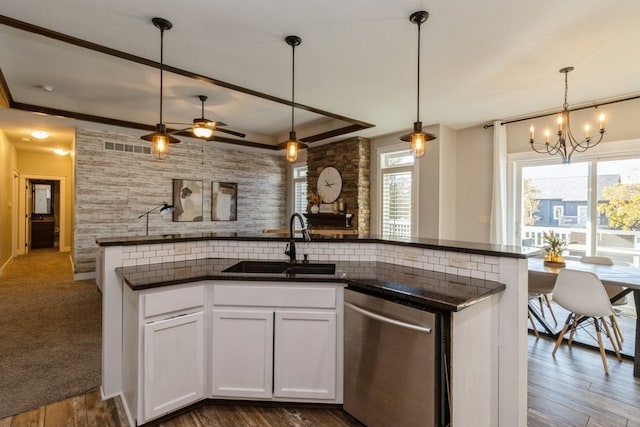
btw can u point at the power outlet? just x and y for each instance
(456, 261)
(182, 250)
(411, 255)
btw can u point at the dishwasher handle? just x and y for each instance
(384, 319)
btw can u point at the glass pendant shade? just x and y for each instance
(160, 147)
(292, 148)
(418, 144)
(160, 141)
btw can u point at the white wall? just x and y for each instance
(428, 183)
(456, 173)
(474, 184)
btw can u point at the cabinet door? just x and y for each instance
(173, 364)
(242, 353)
(305, 355)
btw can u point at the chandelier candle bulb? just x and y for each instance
(531, 132)
(547, 133)
(601, 121)
(586, 130)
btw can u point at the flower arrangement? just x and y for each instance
(314, 198)
(553, 247)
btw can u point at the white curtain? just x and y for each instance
(498, 230)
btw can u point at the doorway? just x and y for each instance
(42, 218)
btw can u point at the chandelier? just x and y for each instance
(567, 143)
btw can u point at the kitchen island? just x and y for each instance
(482, 287)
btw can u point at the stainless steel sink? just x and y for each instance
(279, 267)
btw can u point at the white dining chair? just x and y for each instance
(540, 287)
(612, 291)
(583, 295)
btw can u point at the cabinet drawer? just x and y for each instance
(173, 300)
(275, 296)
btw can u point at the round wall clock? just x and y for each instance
(329, 184)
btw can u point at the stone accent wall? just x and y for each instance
(115, 186)
(352, 157)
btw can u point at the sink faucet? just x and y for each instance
(291, 246)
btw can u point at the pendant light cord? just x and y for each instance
(293, 86)
(566, 90)
(161, 68)
(418, 77)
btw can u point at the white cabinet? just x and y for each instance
(163, 350)
(276, 341)
(305, 346)
(173, 364)
(242, 353)
(230, 340)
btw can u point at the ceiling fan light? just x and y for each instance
(202, 131)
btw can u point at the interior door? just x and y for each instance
(27, 218)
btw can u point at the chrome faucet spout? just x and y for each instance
(291, 246)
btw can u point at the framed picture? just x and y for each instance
(187, 200)
(224, 201)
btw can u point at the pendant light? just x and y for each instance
(160, 139)
(418, 139)
(292, 146)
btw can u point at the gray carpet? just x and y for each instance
(50, 332)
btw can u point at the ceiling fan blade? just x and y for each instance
(183, 131)
(231, 132)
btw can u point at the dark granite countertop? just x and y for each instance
(436, 244)
(420, 288)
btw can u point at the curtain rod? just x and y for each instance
(630, 98)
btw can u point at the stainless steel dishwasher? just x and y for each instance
(389, 362)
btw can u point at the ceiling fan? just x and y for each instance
(203, 128)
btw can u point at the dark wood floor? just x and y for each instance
(568, 390)
(573, 390)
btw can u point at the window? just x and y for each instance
(300, 189)
(397, 188)
(593, 204)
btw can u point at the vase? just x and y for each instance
(314, 209)
(554, 258)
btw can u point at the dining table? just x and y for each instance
(620, 275)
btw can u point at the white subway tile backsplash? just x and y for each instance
(478, 266)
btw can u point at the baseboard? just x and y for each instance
(6, 264)
(84, 276)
